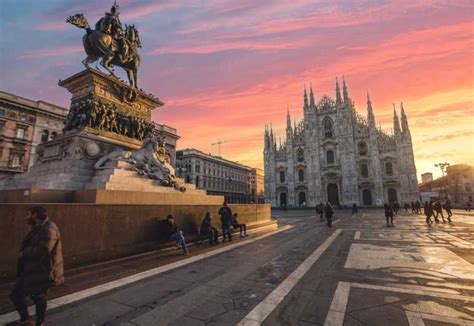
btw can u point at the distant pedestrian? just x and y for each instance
(406, 207)
(413, 207)
(242, 226)
(388, 214)
(438, 209)
(354, 209)
(321, 211)
(428, 212)
(468, 206)
(328, 211)
(39, 267)
(395, 207)
(447, 207)
(174, 233)
(226, 220)
(418, 207)
(208, 231)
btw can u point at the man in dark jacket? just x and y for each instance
(328, 211)
(438, 210)
(207, 230)
(388, 214)
(226, 220)
(40, 266)
(428, 208)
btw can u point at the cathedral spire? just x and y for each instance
(312, 104)
(288, 119)
(306, 106)
(396, 123)
(344, 91)
(405, 128)
(338, 93)
(370, 112)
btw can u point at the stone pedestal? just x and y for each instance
(106, 115)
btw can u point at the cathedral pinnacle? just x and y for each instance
(405, 128)
(344, 90)
(396, 123)
(312, 104)
(306, 106)
(370, 112)
(338, 93)
(288, 118)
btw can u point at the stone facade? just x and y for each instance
(215, 174)
(24, 124)
(336, 154)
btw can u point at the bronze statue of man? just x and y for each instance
(109, 42)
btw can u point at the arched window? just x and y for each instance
(300, 175)
(327, 124)
(282, 176)
(300, 155)
(364, 170)
(389, 168)
(329, 157)
(362, 149)
(44, 136)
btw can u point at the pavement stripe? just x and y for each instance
(73, 297)
(337, 310)
(265, 307)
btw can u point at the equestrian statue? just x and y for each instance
(109, 41)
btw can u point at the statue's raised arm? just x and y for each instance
(111, 43)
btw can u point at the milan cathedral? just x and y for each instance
(335, 154)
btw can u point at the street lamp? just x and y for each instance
(443, 167)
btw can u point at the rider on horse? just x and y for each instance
(110, 24)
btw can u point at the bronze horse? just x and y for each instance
(101, 45)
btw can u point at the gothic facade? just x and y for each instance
(335, 154)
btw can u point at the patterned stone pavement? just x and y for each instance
(359, 272)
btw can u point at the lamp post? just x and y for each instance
(443, 167)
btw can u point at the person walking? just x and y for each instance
(226, 220)
(174, 233)
(328, 211)
(395, 207)
(39, 267)
(388, 214)
(447, 207)
(406, 207)
(438, 208)
(354, 209)
(428, 212)
(321, 211)
(208, 231)
(242, 226)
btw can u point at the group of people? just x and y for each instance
(435, 209)
(431, 208)
(325, 210)
(207, 231)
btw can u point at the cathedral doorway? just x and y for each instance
(367, 197)
(333, 194)
(283, 199)
(392, 195)
(302, 198)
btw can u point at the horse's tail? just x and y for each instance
(80, 21)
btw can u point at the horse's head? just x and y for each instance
(133, 36)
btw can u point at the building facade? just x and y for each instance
(457, 185)
(335, 154)
(426, 177)
(24, 124)
(215, 174)
(257, 182)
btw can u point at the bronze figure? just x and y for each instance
(110, 42)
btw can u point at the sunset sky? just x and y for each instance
(225, 68)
